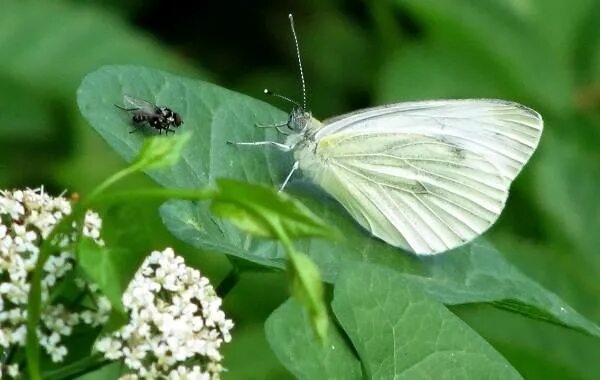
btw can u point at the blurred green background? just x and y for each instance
(356, 53)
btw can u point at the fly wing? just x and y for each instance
(139, 104)
(426, 176)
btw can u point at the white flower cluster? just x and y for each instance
(176, 324)
(26, 218)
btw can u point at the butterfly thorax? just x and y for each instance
(303, 142)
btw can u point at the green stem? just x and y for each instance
(151, 194)
(80, 367)
(228, 283)
(34, 304)
(284, 239)
(292, 260)
(111, 180)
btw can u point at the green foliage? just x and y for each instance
(475, 273)
(265, 212)
(544, 258)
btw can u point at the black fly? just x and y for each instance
(146, 113)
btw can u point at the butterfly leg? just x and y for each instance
(287, 179)
(283, 147)
(277, 126)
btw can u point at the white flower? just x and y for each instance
(10, 206)
(110, 347)
(176, 325)
(92, 225)
(26, 218)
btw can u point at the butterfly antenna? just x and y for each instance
(271, 93)
(299, 61)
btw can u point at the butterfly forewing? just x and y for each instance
(506, 133)
(424, 176)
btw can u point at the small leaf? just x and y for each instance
(242, 218)
(400, 332)
(158, 151)
(262, 210)
(288, 333)
(307, 287)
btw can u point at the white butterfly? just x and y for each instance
(424, 176)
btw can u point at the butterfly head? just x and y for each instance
(299, 119)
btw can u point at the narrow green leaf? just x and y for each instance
(400, 332)
(242, 218)
(256, 209)
(307, 287)
(289, 333)
(159, 152)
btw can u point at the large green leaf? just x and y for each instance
(290, 335)
(158, 152)
(248, 356)
(401, 332)
(472, 273)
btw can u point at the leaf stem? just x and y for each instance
(111, 180)
(151, 194)
(228, 283)
(82, 366)
(34, 304)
